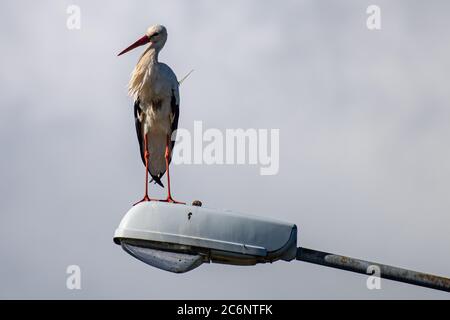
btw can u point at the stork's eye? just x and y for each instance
(155, 34)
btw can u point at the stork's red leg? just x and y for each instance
(169, 195)
(146, 158)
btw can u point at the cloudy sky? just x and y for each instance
(364, 134)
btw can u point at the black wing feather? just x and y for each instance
(176, 114)
(137, 123)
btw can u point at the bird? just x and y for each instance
(155, 90)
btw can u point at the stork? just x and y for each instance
(154, 88)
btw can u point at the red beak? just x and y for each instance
(144, 40)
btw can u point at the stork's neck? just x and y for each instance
(142, 70)
(151, 56)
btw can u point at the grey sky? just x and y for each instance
(364, 131)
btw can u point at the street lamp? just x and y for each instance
(179, 238)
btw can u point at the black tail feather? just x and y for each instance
(156, 180)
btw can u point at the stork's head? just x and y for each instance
(156, 35)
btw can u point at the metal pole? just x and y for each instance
(361, 266)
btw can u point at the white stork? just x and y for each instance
(154, 87)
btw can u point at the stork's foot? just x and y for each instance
(144, 199)
(170, 200)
